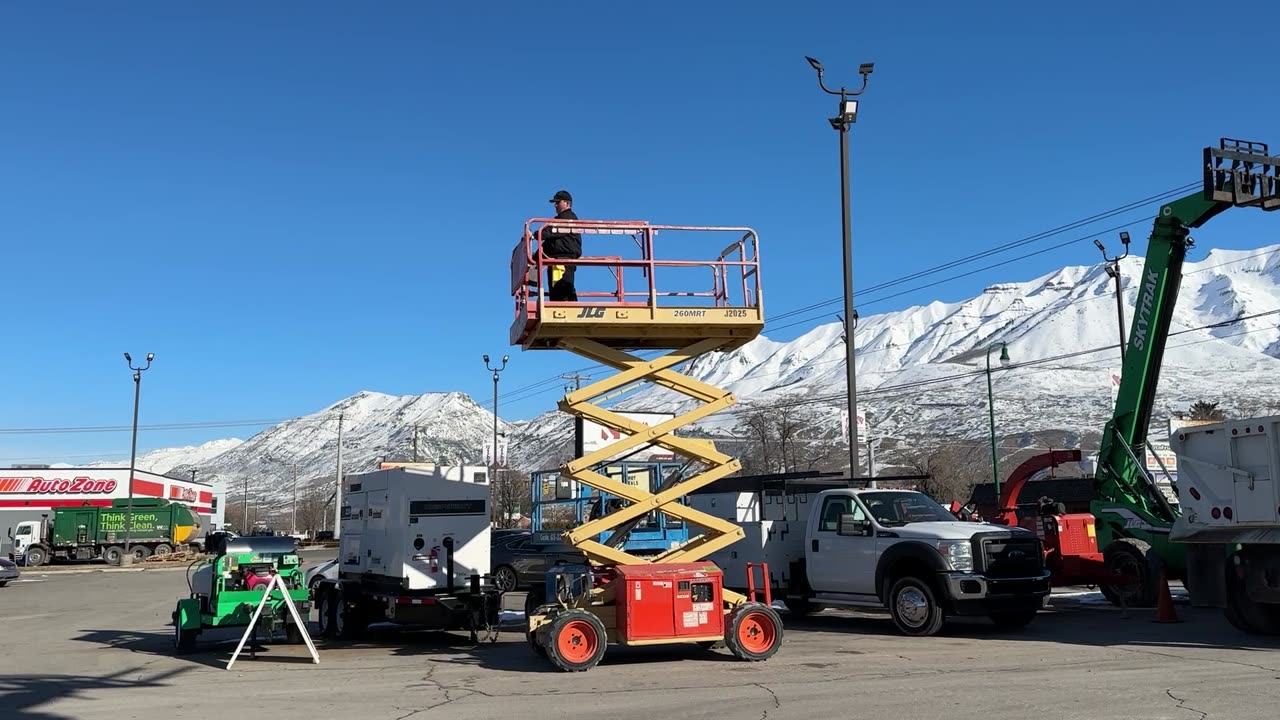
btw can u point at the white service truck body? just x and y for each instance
(414, 549)
(1229, 488)
(827, 545)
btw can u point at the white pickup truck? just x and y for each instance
(1229, 495)
(827, 544)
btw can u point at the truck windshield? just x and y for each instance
(891, 508)
(24, 530)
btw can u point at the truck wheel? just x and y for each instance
(1014, 619)
(163, 549)
(1246, 615)
(325, 609)
(184, 641)
(36, 555)
(914, 607)
(754, 632)
(113, 555)
(1131, 558)
(140, 552)
(575, 641)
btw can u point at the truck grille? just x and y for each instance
(1006, 557)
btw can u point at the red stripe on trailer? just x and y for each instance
(148, 488)
(54, 503)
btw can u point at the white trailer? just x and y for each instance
(414, 550)
(1229, 487)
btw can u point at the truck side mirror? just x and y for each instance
(10, 533)
(850, 526)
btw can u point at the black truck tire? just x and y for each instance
(913, 604)
(1246, 615)
(112, 554)
(163, 549)
(37, 555)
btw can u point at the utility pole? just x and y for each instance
(127, 557)
(295, 498)
(847, 115)
(1113, 269)
(337, 497)
(493, 468)
(193, 474)
(576, 379)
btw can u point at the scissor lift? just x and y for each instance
(674, 596)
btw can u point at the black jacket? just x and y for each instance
(561, 244)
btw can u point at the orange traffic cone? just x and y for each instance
(1164, 602)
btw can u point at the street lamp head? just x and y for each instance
(1098, 244)
(1124, 238)
(486, 359)
(816, 65)
(151, 356)
(866, 68)
(127, 358)
(849, 110)
(1004, 355)
(504, 359)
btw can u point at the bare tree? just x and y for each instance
(510, 495)
(312, 510)
(954, 470)
(778, 437)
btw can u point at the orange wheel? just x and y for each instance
(575, 640)
(754, 632)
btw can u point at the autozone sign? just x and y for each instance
(56, 486)
(181, 493)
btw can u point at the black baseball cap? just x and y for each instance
(562, 195)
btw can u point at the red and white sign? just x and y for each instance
(66, 487)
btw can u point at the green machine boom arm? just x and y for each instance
(1127, 503)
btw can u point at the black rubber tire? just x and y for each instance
(910, 597)
(325, 609)
(140, 553)
(753, 632)
(1014, 619)
(505, 579)
(184, 641)
(1246, 615)
(292, 633)
(574, 627)
(1130, 556)
(162, 549)
(533, 599)
(112, 555)
(37, 556)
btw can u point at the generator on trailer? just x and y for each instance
(414, 551)
(226, 589)
(673, 596)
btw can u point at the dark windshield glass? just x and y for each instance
(891, 507)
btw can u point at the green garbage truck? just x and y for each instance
(90, 532)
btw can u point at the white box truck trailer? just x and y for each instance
(1229, 490)
(828, 544)
(414, 550)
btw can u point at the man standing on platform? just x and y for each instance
(566, 244)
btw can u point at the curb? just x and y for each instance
(48, 572)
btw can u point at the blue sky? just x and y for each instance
(291, 204)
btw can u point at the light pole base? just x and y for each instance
(126, 559)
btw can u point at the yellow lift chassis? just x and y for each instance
(677, 596)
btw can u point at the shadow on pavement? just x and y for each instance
(23, 696)
(210, 651)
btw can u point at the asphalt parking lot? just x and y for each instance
(99, 645)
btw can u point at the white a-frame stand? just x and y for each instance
(275, 583)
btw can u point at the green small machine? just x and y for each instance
(226, 590)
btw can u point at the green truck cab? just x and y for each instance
(91, 532)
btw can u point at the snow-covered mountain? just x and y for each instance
(921, 374)
(166, 459)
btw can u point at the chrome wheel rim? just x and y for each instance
(913, 607)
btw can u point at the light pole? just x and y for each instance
(991, 410)
(127, 558)
(846, 116)
(1113, 269)
(493, 468)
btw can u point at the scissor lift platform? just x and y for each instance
(632, 312)
(584, 609)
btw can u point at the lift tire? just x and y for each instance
(1129, 556)
(913, 604)
(575, 640)
(754, 632)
